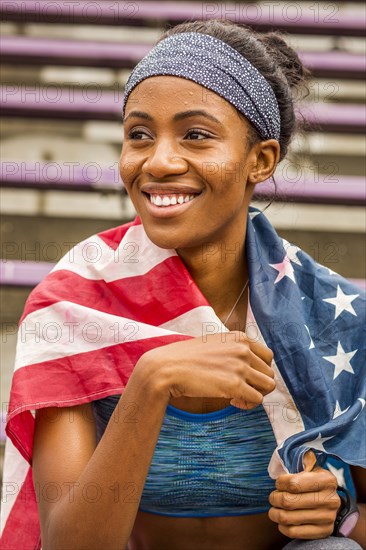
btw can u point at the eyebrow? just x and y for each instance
(137, 114)
(178, 116)
(197, 112)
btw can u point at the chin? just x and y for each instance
(161, 238)
(168, 240)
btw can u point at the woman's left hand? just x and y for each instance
(305, 505)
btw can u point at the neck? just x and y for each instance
(220, 272)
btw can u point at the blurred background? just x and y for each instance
(64, 65)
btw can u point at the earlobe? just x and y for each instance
(267, 156)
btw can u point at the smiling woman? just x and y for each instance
(187, 431)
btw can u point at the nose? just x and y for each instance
(164, 160)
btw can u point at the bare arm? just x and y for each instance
(100, 487)
(88, 497)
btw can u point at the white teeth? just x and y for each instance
(166, 200)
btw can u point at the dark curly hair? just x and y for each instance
(271, 55)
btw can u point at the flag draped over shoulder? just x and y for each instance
(116, 295)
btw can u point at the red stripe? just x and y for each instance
(73, 380)
(22, 529)
(143, 298)
(112, 237)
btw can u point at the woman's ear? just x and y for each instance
(266, 156)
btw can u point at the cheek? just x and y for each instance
(128, 168)
(228, 168)
(231, 173)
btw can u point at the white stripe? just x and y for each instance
(279, 405)
(93, 259)
(65, 328)
(199, 321)
(15, 472)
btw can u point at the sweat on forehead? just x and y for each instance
(218, 67)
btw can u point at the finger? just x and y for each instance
(316, 480)
(240, 404)
(259, 380)
(307, 531)
(300, 517)
(258, 364)
(304, 501)
(247, 394)
(261, 351)
(250, 356)
(309, 461)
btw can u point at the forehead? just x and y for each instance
(174, 93)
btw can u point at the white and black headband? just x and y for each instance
(217, 66)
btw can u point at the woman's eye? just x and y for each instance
(137, 135)
(198, 134)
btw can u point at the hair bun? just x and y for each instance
(286, 59)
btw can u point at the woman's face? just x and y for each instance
(185, 162)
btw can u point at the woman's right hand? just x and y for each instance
(226, 365)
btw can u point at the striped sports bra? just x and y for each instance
(211, 464)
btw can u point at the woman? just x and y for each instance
(202, 127)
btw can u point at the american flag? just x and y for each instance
(116, 295)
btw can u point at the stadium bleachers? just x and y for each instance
(41, 51)
(313, 21)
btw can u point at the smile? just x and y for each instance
(170, 200)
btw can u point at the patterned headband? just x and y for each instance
(218, 67)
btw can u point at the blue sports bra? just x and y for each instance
(212, 464)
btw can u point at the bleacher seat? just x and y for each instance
(42, 51)
(262, 18)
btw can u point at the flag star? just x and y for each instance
(342, 302)
(338, 474)
(284, 269)
(318, 443)
(341, 361)
(331, 272)
(291, 251)
(338, 411)
(311, 346)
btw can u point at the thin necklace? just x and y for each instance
(237, 301)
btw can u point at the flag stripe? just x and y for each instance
(15, 472)
(65, 329)
(94, 259)
(105, 370)
(130, 297)
(24, 527)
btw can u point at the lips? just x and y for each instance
(168, 204)
(169, 188)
